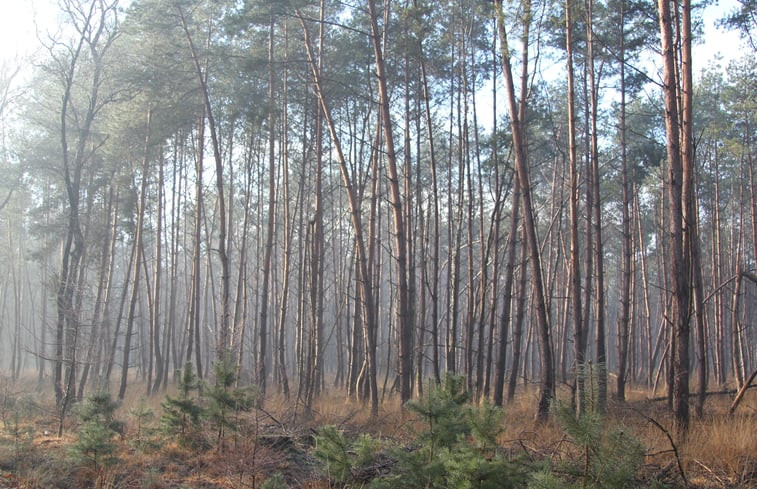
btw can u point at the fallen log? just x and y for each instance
(742, 391)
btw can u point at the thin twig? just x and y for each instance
(710, 471)
(672, 444)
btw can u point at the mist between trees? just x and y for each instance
(307, 190)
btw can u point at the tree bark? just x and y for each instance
(678, 126)
(404, 308)
(547, 384)
(138, 253)
(579, 331)
(155, 317)
(624, 317)
(365, 281)
(223, 345)
(507, 299)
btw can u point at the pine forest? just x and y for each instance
(379, 243)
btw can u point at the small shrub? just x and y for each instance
(546, 479)
(226, 402)
(20, 438)
(277, 481)
(94, 438)
(347, 462)
(181, 415)
(607, 458)
(457, 448)
(144, 439)
(443, 412)
(218, 407)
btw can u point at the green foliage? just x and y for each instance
(221, 405)
(546, 479)
(346, 461)
(457, 448)
(486, 424)
(181, 415)
(742, 18)
(467, 467)
(444, 412)
(609, 458)
(141, 414)
(460, 446)
(145, 437)
(333, 449)
(19, 442)
(620, 459)
(94, 443)
(226, 402)
(276, 481)
(188, 381)
(584, 430)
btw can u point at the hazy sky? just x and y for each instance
(17, 25)
(18, 34)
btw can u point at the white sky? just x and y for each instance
(717, 41)
(18, 37)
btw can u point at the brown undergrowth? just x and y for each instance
(719, 450)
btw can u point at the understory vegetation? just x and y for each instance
(217, 435)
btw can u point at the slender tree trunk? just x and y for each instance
(410, 245)
(678, 126)
(170, 342)
(520, 314)
(223, 345)
(155, 319)
(624, 316)
(404, 308)
(42, 347)
(739, 364)
(579, 331)
(288, 236)
(268, 249)
(435, 258)
(365, 280)
(317, 250)
(138, 253)
(494, 242)
(507, 298)
(596, 210)
(717, 277)
(99, 317)
(195, 306)
(699, 314)
(15, 363)
(547, 385)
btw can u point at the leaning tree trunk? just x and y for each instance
(223, 345)
(517, 126)
(365, 280)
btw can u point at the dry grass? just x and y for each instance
(723, 447)
(720, 451)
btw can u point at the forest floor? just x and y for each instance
(719, 451)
